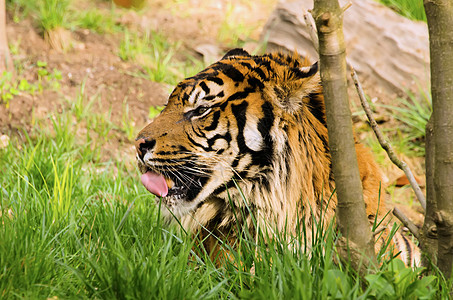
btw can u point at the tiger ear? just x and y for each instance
(293, 88)
(236, 52)
(308, 71)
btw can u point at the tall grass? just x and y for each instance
(71, 228)
(53, 13)
(413, 112)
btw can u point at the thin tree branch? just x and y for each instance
(408, 223)
(385, 143)
(346, 6)
(310, 22)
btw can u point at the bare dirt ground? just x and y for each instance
(94, 59)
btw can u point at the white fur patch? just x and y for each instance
(201, 95)
(192, 97)
(252, 136)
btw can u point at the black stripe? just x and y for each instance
(226, 137)
(217, 80)
(255, 83)
(214, 122)
(240, 95)
(287, 156)
(289, 59)
(247, 65)
(209, 98)
(260, 73)
(317, 107)
(224, 187)
(204, 87)
(199, 133)
(231, 72)
(185, 97)
(239, 113)
(211, 141)
(236, 161)
(264, 157)
(265, 124)
(207, 149)
(195, 189)
(409, 250)
(187, 94)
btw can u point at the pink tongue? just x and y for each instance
(155, 183)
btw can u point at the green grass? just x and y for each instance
(233, 32)
(157, 56)
(21, 8)
(412, 9)
(96, 20)
(53, 13)
(413, 112)
(74, 226)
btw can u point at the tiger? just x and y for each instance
(251, 127)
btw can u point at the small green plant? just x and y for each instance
(81, 107)
(414, 112)
(10, 88)
(14, 46)
(152, 51)
(46, 77)
(101, 124)
(96, 20)
(21, 8)
(396, 281)
(128, 126)
(157, 56)
(53, 14)
(7, 89)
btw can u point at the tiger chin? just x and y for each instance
(254, 128)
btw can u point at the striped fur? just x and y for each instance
(258, 122)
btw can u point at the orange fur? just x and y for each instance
(257, 122)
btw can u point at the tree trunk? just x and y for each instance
(428, 234)
(439, 14)
(358, 248)
(6, 63)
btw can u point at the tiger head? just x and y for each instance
(233, 128)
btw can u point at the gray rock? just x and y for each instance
(389, 52)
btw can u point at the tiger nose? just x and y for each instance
(143, 145)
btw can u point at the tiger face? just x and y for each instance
(222, 129)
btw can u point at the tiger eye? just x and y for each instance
(202, 110)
